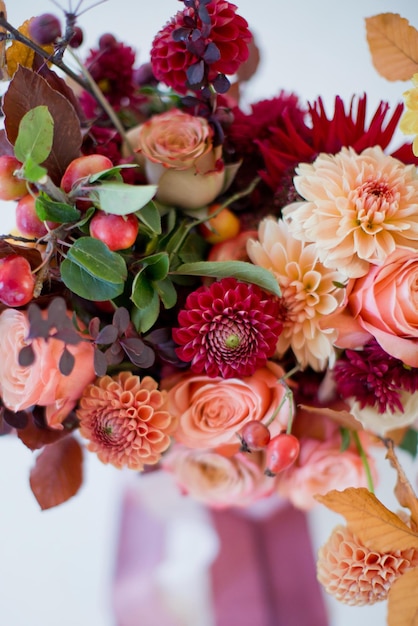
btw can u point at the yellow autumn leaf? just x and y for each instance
(393, 44)
(21, 54)
(403, 600)
(369, 520)
(403, 490)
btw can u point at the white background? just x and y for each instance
(56, 566)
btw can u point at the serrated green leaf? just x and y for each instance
(82, 283)
(58, 212)
(241, 270)
(142, 291)
(156, 266)
(119, 198)
(150, 216)
(167, 292)
(35, 135)
(146, 317)
(95, 258)
(32, 171)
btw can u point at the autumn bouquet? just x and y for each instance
(229, 296)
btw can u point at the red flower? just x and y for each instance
(228, 32)
(228, 329)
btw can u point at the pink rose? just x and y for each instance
(180, 158)
(384, 303)
(41, 383)
(216, 480)
(211, 411)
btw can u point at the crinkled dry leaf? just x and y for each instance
(342, 417)
(403, 600)
(20, 54)
(403, 490)
(369, 520)
(393, 44)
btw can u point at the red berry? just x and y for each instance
(44, 29)
(282, 451)
(116, 231)
(16, 281)
(77, 38)
(254, 436)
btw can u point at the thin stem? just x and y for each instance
(364, 460)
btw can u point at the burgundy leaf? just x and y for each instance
(140, 354)
(58, 473)
(195, 73)
(17, 420)
(66, 362)
(107, 335)
(221, 84)
(181, 34)
(68, 335)
(212, 53)
(121, 319)
(100, 363)
(94, 327)
(26, 356)
(28, 90)
(35, 437)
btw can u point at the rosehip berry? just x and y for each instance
(44, 29)
(254, 436)
(16, 281)
(76, 38)
(282, 451)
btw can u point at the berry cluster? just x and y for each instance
(281, 451)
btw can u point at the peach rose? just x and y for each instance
(211, 411)
(41, 383)
(384, 304)
(216, 480)
(180, 158)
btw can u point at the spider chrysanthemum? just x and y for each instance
(228, 329)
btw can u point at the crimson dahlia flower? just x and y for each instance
(228, 329)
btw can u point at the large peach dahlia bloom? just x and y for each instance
(125, 420)
(358, 209)
(309, 292)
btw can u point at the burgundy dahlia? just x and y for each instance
(211, 45)
(228, 329)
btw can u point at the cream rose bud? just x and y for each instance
(22, 387)
(180, 158)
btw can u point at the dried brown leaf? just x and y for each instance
(341, 416)
(393, 44)
(403, 490)
(58, 473)
(369, 520)
(403, 600)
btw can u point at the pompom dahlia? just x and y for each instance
(223, 44)
(125, 420)
(358, 209)
(309, 292)
(357, 575)
(228, 329)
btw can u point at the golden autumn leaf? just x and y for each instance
(20, 54)
(403, 600)
(403, 490)
(393, 44)
(369, 520)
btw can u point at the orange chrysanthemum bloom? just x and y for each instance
(125, 420)
(356, 575)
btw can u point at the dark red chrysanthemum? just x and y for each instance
(223, 49)
(374, 378)
(228, 329)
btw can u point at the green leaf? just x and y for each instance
(58, 212)
(121, 199)
(150, 216)
(94, 257)
(35, 136)
(345, 439)
(82, 283)
(112, 172)
(142, 291)
(167, 292)
(156, 266)
(241, 270)
(146, 317)
(32, 171)
(410, 442)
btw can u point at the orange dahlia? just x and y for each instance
(125, 420)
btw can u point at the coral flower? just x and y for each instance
(125, 420)
(228, 329)
(309, 292)
(357, 575)
(358, 209)
(172, 55)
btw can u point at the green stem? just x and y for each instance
(364, 460)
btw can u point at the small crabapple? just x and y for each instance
(80, 169)
(118, 232)
(27, 221)
(17, 282)
(220, 227)
(11, 187)
(281, 452)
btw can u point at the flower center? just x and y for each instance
(374, 201)
(232, 341)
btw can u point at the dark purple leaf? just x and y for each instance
(100, 363)
(68, 336)
(121, 319)
(196, 35)
(114, 355)
(39, 327)
(196, 47)
(195, 73)
(212, 53)
(28, 90)
(203, 14)
(94, 327)
(181, 34)
(221, 84)
(57, 312)
(16, 420)
(140, 354)
(188, 21)
(107, 335)
(66, 362)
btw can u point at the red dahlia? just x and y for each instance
(227, 32)
(228, 329)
